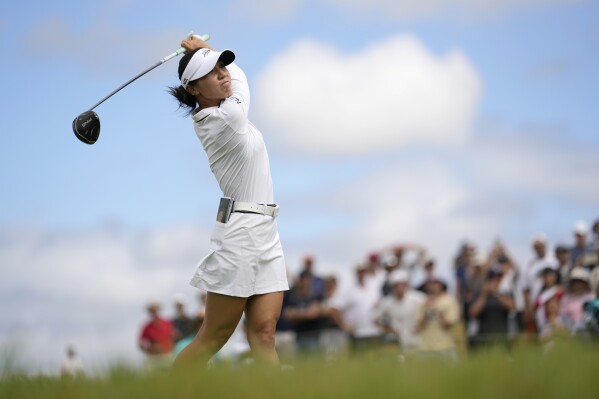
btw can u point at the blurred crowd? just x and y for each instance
(397, 303)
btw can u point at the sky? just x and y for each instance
(407, 121)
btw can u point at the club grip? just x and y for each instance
(205, 37)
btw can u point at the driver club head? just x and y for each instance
(87, 127)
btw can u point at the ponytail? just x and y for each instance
(185, 99)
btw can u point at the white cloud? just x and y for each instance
(88, 288)
(382, 97)
(541, 163)
(499, 185)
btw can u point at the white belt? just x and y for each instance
(269, 210)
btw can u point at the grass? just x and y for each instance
(567, 371)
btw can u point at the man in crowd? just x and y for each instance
(435, 320)
(353, 312)
(71, 366)
(532, 281)
(183, 325)
(582, 253)
(491, 309)
(304, 313)
(396, 313)
(156, 338)
(564, 263)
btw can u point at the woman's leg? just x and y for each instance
(262, 313)
(222, 316)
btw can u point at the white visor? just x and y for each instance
(202, 62)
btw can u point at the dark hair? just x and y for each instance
(185, 99)
(550, 270)
(493, 274)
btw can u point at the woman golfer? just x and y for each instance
(245, 268)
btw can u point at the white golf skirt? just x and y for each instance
(245, 258)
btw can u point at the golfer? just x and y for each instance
(245, 268)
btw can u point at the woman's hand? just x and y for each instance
(193, 43)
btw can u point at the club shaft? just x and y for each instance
(128, 83)
(162, 61)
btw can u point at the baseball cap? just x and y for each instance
(539, 237)
(581, 228)
(179, 298)
(390, 260)
(152, 304)
(578, 273)
(480, 259)
(202, 62)
(398, 276)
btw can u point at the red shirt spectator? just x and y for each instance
(157, 335)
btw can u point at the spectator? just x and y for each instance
(531, 281)
(316, 282)
(333, 340)
(578, 292)
(373, 266)
(429, 268)
(428, 272)
(156, 338)
(595, 241)
(564, 264)
(582, 251)
(491, 308)
(412, 266)
(303, 311)
(473, 286)
(435, 319)
(71, 366)
(375, 274)
(595, 279)
(391, 264)
(510, 285)
(396, 313)
(353, 312)
(551, 289)
(554, 327)
(462, 265)
(183, 325)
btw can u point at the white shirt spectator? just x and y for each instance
(532, 280)
(71, 365)
(402, 316)
(356, 306)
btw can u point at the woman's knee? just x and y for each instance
(263, 332)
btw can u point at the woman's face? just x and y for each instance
(550, 279)
(213, 87)
(579, 286)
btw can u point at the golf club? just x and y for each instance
(86, 126)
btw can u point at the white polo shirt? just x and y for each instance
(402, 315)
(234, 146)
(356, 305)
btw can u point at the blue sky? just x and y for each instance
(429, 122)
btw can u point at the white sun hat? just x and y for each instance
(202, 62)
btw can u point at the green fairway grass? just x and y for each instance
(569, 371)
